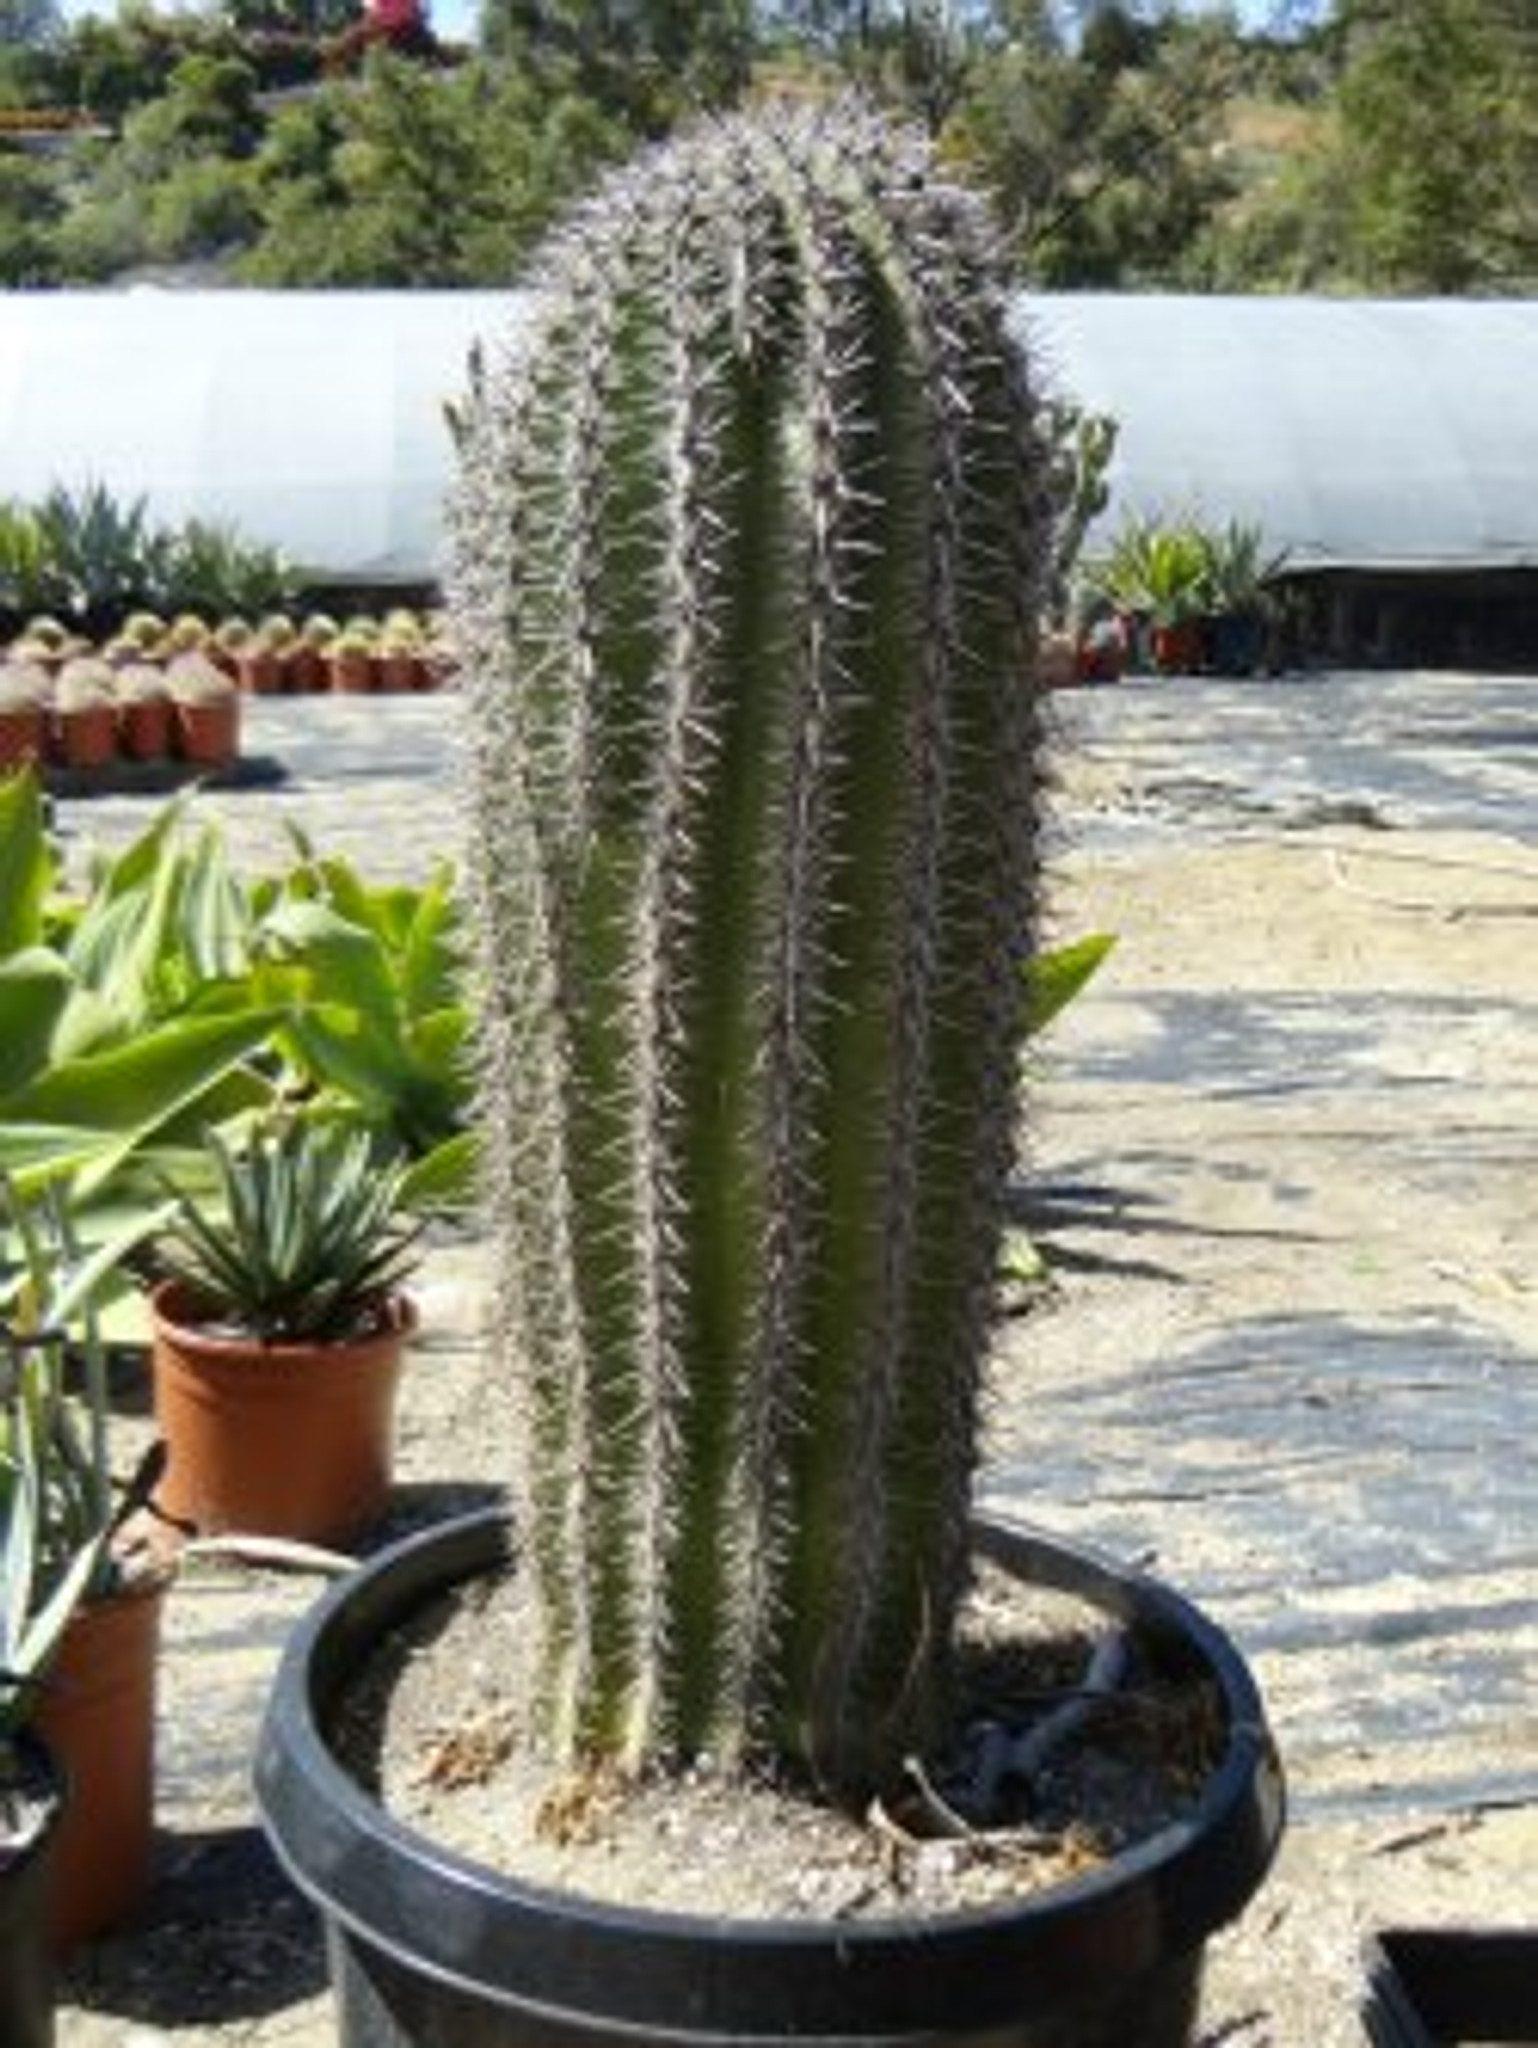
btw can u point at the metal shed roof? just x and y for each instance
(1397, 434)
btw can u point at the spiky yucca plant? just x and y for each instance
(308, 1242)
(747, 549)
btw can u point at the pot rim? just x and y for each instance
(1159, 1900)
(172, 1310)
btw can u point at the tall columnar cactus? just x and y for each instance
(748, 541)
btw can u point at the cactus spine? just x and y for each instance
(748, 542)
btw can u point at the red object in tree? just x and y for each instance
(401, 25)
(398, 19)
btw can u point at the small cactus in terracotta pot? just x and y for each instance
(352, 660)
(143, 629)
(307, 666)
(401, 653)
(227, 643)
(85, 713)
(438, 654)
(24, 695)
(261, 666)
(145, 719)
(44, 641)
(206, 711)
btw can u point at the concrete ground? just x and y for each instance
(1281, 1161)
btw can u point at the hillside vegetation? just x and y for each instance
(1378, 145)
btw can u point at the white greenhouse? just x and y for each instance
(1364, 435)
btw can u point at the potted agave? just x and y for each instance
(279, 1322)
(747, 556)
(80, 1591)
(1241, 573)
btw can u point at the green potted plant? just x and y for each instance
(280, 1319)
(749, 545)
(1155, 577)
(1241, 573)
(83, 1567)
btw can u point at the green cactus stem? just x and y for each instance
(748, 544)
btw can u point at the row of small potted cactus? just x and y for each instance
(277, 653)
(88, 714)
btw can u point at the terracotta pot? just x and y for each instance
(399, 673)
(262, 671)
(353, 674)
(208, 733)
(1177, 649)
(85, 735)
(276, 1439)
(98, 1718)
(307, 671)
(23, 737)
(144, 729)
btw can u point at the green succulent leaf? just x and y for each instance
(34, 994)
(26, 865)
(1053, 979)
(305, 1236)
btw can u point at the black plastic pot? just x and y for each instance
(431, 1951)
(26, 1964)
(1439, 1987)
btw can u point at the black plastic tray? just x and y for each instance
(1446, 1987)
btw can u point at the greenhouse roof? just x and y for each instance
(1362, 433)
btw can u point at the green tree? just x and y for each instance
(27, 24)
(208, 109)
(418, 177)
(641, 60)
(1103, 159)
(175, 188)
(29, 207)
(315, 18)
(112, 66)
(1438, 141)
(1420, 172)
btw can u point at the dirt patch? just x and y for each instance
(437, 1731)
